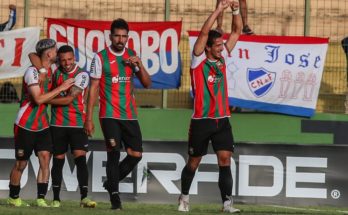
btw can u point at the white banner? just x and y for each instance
(15, 46)
(275, 73)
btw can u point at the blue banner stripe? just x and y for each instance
(278, 108)
(162, 80)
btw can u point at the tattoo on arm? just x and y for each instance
(75, 91)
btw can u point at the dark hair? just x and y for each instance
(65, 49)
(213, 34)
(119, 24)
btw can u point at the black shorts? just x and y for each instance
(127, 131)
(63, 137)
(26, 141)
(202, 131)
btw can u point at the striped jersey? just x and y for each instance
(116, 97)
(31, 116)
(209, 87)
(72, 115)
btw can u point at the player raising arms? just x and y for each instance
(210, 119)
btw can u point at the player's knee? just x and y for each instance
(20, 165)
(134, 154)
(224, 161)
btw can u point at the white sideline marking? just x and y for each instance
(305, 209)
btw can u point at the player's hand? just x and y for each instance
(67, 84)
(223, 4)
(134, 61)
(89, 127)
(42, 78)
(12, 7)
(234, 5)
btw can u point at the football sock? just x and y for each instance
(41, 190)
(57, 175)
(225, 182)
(14, 191)
(187, 176)
(127, 165)
(112, 171)
(82, 175)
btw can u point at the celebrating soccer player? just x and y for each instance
(210, 119)
(31, 130)
(112, 73)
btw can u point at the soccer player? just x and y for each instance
(210, 119)
(11, 19)
(112, 73)
(31, 129)
(67, 118)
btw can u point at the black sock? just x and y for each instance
(127, 165)
(225, 182)
(14, 191)
(112, 171)
(187, 176)
(57, 177)
(41, 190)
(82, 175)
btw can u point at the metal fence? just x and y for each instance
(322, 18)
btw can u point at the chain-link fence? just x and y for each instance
(322, 18)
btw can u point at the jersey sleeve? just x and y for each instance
(96, 67)
(82, 80)
(31, 76)
(196, 60)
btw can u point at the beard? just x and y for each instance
(119, 47)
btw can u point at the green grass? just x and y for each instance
(72, 207)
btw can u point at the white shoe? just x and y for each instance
(184, 203)
(228, 206)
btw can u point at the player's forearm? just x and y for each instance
(144, 77)
(92, 97)
(45, 98)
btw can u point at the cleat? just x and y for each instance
(87, 203)
(42, 203)
(184, 203)
(246, 30)
(17, 202)
(115, 202)
(228, 206)
(55, 204)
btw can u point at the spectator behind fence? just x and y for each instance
(244, 13)
(11, 19)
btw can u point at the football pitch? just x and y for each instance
(72, 207)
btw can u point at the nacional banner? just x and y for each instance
(275, 73)
(156, 43)
(15, 45)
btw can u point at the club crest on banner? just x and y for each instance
(260, 81)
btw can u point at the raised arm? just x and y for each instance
(201, 41)
(236, 27)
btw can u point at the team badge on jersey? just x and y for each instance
(260, 81)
